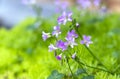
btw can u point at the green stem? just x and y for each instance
(83, 68)
(69, 67)
(95, 57)
(91, 51)
(79, 62)
(96, 68)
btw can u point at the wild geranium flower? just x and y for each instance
(29, 2)
(71, 35)
(52, 47)
(45, 36)
(86, 40)
(59, 57)
(71, 42)
(84, 3)
(62, 45)
(56, 31)
(61, 5)
(64, 18)
(73, 55)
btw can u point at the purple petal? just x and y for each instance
(60, 44)
(84, 3)
(70, 19)
(86, 40)
(45, 36)
(86, 37)
(52, 47)
(82, 42)
(70, 14)
(96, 2)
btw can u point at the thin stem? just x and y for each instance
(83, 69)
(79, 62)
(91, 51)
(95, 56)
(96, 68)
(69, 67)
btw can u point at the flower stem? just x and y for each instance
(90, 50)
(81, 63)
(95, 57)
(69, 67)
(95, 67)
(83, 68)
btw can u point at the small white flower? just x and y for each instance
(56, 31)
(77, 24)
(52, 47)
(45, 36)
(74, 55)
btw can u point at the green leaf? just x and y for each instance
(55, 75)
(88, 77)
(80, 71)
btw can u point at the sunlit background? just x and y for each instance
(14, 11)
(24, 53)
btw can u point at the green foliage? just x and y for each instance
(55, 75)
(23, 54)
(79, 72)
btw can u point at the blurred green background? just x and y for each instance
(24, 55)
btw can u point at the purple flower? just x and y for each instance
(64, 18)
(64, 5)
(84, 3)
(60, 44)
(45, 36)
(71, 35)
(61, 5)
(71, 42)
(52, 47)
(86, 40)
(56, 31)
(96, 2)
(57, 2)
(73, 55)
(59, 57)
(103, 9)
(29, 2)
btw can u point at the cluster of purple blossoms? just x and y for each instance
(84, 3)
(86, 40)
(61, 5)
(29, 2)
(64, 18)
(71, 35)
(45, 36)
(87, 3)
(56, 31)
(70, 39)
